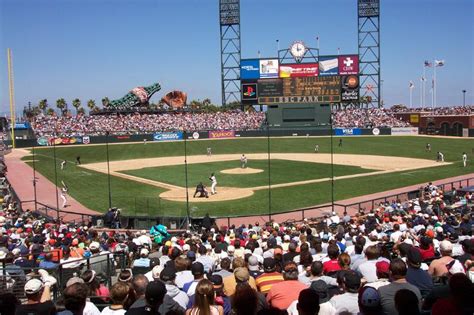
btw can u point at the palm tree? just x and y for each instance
(76, 103)
(61, 105)
(81, 110)
(105, 102)
(43, 104)
(91, 104)
(50, 111)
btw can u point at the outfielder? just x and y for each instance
(243, 161)
(213, 184)
(440, 157)
(464, 159)
(63, 164)
(316, 148)
(209, 151)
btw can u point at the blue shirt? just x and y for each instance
(142, 262)
(47, 265)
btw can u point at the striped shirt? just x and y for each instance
(266, 280)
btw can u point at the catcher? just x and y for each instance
(201, 190)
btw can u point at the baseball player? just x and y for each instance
(64, 191)
(213, 180)
(428, 147)
(63, 164)
(78, 160)
(209, 151)
(464, 159)
(316, 148)
(243, 161)
(201, 190)
(440, 157)
(340, 142)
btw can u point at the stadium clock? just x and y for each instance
(297, 50)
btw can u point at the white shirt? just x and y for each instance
(108, 311)
(213, 179)
(395, 236)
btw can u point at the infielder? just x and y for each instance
(209, 151)
(316, 148)
(440, 157)
(213, 184)
(243, 161)
(63, 164)
(464, 159)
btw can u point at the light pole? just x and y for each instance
(108, 168)
(464, 98)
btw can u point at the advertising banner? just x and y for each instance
(405, 131)
(167, 136)
(348, 132)
(249, 91)
(86, 140)
(270, 87)
(249, 69)
(299, 70)
(269, 68)
(214, 134)
(25, 125)
(414, 118)
(349, 64)
(43, 141)
(328, 65)
(349, 88)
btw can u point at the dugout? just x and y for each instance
(298, 115)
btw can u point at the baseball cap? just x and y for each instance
(253, 263)
(94, 245)
(321, 288)
(369, 297)
(414, 257)
(268, 264)
(241, 274)
(446, 246)
(74, 280)
(144, 252)
(197, 269)
(168, 274)
(216, 280)
(155, 292)
(155, 272)
(191, 254)
(33, 286)
(382, 267)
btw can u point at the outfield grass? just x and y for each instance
(91, 189)
(300, 171)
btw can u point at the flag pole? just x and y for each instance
(434, 84)
(411, 95)
(12, 97)
(423, 88)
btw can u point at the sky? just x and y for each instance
(90, 49)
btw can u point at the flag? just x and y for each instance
(422, 79)
(411, 85)
(439, 63)
(428, 64)
(432, 83)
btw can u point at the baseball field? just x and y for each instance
(282, 173)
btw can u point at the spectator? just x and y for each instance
(168, 276)
(75, 299)
(204, 300)
(347, 301)
(406, 302)
(197, 269)
(38, 299)
(368, 269)
(438, 266)
(279, 296)
(307, 303)
(119, 296)
(333, 264)
(415, 275)
(245, 300)
(269, 277)
(369, 301)
(231, 281)
(398, 271)
(460, 300)
(143, 261)
(154, 295)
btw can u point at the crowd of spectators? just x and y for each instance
(367, 118)
(399, 258)
(141, 123)
(441, 111)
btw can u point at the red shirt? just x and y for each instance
(427, 253)
(282, 294)
(332, 265)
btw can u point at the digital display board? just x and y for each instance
(270, 87)
(229, 12)
(348, 64)
(350, 88)
(269, 68)
(368, 8)
(249, 69)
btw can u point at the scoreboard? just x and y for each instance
(335, 79)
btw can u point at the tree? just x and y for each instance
(76, 103)
(50, 111)
(43, 104)
(105, 102)
(61, 105)
(91, 104)
(81, 111)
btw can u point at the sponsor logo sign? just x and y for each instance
(348, 131)
(414, 118)
(376, 131)
(299, 70)
(123, 137)
(350, 88)
(24, 125)
(268, 68)
(249, 91)
(195, 135)
(86, 140)
(299, 99)
(328, 65)
(348, 64)
(214, 134)
(167, 136)
(249, 69)
(404, 131)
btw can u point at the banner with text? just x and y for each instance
(404, 131)
(214, 134)
(348, 132)
(167, 136)
(299, 70)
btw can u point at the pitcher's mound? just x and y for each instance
(239, 171)
(223, 194)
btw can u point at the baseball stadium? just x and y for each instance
(302, 177)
